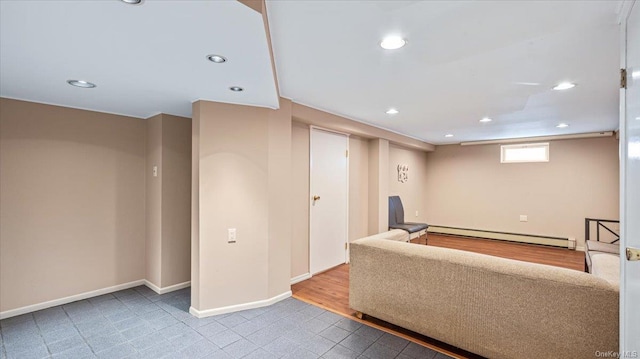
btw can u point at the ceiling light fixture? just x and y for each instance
(564, 86)
(392, 42)
(486, 119)
(216, 58)
(81, 84)
(236, 89)
(392, 111)
(562, 125)
(132, 2)
(448, 135)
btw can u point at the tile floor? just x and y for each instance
(138, 323)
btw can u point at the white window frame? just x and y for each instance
(505, 148)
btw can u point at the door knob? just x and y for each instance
(315, 198)
(633, 254)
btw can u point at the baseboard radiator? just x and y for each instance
(564, 242)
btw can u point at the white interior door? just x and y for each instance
(328, 200)
(630, 191)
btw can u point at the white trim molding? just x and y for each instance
(300, 278)
(313, 127)
(69, 299)
(237, 307)
(623, 11)
(168, 289)
(540, 138)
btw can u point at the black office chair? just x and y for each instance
(396, 218)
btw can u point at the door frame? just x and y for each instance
(310, 194)
(623, 15)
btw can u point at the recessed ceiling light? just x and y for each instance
(392, 42)
(564, 86)
(236, 89)
(392, 111)
(486, 119)
(562, 125)
(216, 58)
(448, 135)
(81, 83)
(638, 118)
(132, 2)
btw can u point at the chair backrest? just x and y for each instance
(396, 211)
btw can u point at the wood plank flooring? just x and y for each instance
(330, 289)
(558, 257)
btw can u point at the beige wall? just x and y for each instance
(242, 158)
(153, 201)
(176, 200)
(378, 186)
(411, 192)
(467, 186)
(72, 216)
(358, 187)
(300, 199)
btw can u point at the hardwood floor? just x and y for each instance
(330, 289)
(558, 257)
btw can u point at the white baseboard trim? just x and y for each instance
(168, 289)
(300, 278)
(234, 308)
(66, 300)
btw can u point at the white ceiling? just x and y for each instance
(145, 59)
(464, 60)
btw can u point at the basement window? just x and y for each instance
(526, 152)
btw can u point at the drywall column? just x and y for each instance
(358, 187)
(300, 199)
(378, 186)
(241, 176)
(168, 201)
(195, 205)
(280, 184)
(176, 201)
(153, 200)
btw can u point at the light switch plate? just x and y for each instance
(231, 237)
(524, 218)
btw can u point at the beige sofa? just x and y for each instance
(494, 307)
